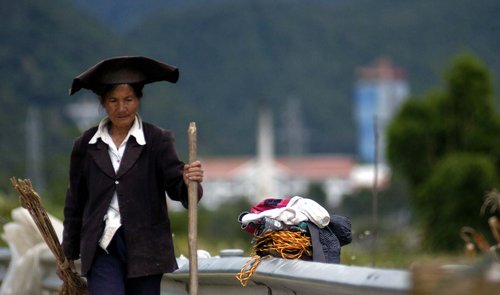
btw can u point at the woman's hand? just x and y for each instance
(70, 265)
(193, 172)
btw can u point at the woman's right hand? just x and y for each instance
(193, 172)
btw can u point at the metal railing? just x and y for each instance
(217, 275)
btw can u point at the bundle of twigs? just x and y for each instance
(73, 283)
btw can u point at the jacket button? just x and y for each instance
(117, 182)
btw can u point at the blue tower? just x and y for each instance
(379, 91)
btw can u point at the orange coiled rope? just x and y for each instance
(284, 244)
(248, 269)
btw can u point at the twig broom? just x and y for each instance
(73, 283)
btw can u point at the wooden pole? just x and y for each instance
(193, 215)
(375, 195)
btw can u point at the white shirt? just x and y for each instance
(112, 217)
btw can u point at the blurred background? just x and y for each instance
(381, 110)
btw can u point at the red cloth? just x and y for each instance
(269, 203)
(266, 204)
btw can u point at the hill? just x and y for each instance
(235, 55)
(44, 45)
(124, 15)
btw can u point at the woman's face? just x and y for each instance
(121, 105)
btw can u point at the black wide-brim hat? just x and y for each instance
(124, 70)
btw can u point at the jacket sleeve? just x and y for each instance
(172, 169)
(76, 197)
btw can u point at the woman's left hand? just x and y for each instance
(193, 172)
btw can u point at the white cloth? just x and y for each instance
(297, 210)
(112, 217)
(289, 216)
(310, 208)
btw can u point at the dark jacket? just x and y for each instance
(145, 174)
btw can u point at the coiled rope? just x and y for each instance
(285, 244)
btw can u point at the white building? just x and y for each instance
(266, 176)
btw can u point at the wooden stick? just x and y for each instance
(193, 215)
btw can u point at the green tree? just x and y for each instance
(447, 146)
(451, 198)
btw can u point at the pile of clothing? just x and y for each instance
(304, 228)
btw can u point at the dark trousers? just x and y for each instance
(108, 274)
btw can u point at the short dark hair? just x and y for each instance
(106, 88)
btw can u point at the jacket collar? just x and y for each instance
(98, 148)
(99, 152)
(136, 130)
(132, 153)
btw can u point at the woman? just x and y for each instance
(115, 214)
